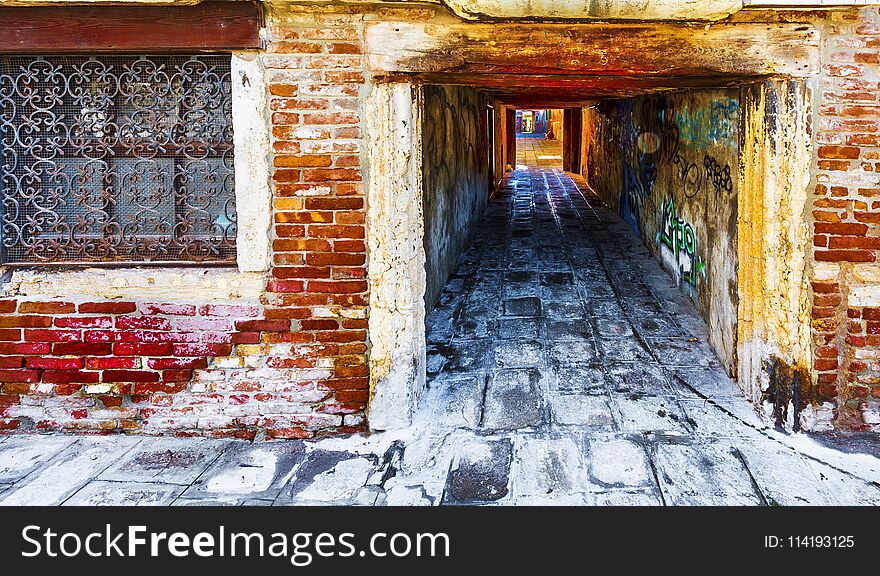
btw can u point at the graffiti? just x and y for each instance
(632, 198)
(692, 178)
(678, 237)
(690, 175)
(718, 174)
(719, 125)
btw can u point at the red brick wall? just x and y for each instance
(319, 273)
(846, 218)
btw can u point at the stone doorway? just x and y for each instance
(770, 319)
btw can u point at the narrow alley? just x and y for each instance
(564, 368)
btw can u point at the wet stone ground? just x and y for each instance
(564, 367)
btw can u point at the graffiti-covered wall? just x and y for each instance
(668, 164)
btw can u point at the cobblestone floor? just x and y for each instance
(564, 368)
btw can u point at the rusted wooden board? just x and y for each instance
(747, 49)
(205, 26)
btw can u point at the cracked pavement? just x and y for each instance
(564, 368)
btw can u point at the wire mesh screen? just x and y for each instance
(117, 158)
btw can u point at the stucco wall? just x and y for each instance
(669, 166)
(455, 177)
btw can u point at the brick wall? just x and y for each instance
(315, 75)
(846, 221)
(290, 365)
(112, 365)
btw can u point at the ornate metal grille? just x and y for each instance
(116, 159)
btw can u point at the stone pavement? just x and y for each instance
(535, 151)
(564, 368)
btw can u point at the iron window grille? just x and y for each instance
(116, 159)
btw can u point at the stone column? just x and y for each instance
(395, 231)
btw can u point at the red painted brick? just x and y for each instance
(71, 348)
(162, 363)
(868, 243)
(111, 336)
(55, 363)
(107, 307)
(331, 203)
(300, 272)
(84, 322)
(112, 362)
(845, 256)
(217, 337)
(142, 349)
(246, 338)
(14, 321)
(842, 152)
(11, 361)
(203, 324)
(110, 401)
(10, 334)
(278, 325)
(129, 376)
(37, 335)
(143, 322)
(68, 376)
(177, 375)
(340, 287)
(330, 174)
(237, 311)
(8, 306)
(152, 308)
(202, 349)
(170, 336)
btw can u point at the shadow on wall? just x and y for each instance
(455, 177)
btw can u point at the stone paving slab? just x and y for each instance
(481, 472)
(703, 473)
(132, 493)
(329, 477)
(20, 455)
(513, 400)
(166, 460)
(549, 471)
(65, 473)
(255, 471)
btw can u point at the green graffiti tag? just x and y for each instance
(679, 238)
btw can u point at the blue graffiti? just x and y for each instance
(717, 125)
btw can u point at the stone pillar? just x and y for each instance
(395, 230)
(774, 316)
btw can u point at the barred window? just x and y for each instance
(111, 159)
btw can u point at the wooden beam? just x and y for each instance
(745, 49)
(225, 25)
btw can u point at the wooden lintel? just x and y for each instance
(744, 49)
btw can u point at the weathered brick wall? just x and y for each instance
(114, 365)
(316, 77)
(292, 364)
(846, 221)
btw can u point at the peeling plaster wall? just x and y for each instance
(669, 166)
(773, 315)
(455, 177)
(397, 256)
